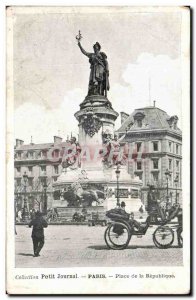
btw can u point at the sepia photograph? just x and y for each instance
(98, 106)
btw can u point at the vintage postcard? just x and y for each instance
(98, 150)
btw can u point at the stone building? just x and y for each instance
(155, 145)
(42, 164)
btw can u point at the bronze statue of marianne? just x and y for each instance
(99, 74)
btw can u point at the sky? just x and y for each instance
(51, 74)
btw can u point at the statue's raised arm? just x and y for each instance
(82, 50)
(99, 74)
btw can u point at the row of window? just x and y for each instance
(156, 146)
(18, 169)
(155, 164)
(30, 155)
(42, 169)
(171, 164)
(139, 146)
(31, 182)
(155, 177)
(37, 155)
(173, 148)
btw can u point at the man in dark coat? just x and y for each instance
(38, 224)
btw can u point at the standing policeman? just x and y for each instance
(38, 224)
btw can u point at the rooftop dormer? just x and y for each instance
(138, 117)
(173, 120)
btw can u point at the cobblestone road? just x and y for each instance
(69, 246)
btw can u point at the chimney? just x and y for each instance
(123, 116)
(31, 140)
(57, 139)
(154, 103)
(19, 143)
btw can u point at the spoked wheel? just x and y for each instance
(163, 237)
(117, 236)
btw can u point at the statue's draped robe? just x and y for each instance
(99, 74)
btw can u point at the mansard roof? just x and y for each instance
(152, 118)
(44, 146)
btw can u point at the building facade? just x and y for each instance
(155, 145)
(41, 163)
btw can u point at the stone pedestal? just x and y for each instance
(96, 119)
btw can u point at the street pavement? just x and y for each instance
(83, 246)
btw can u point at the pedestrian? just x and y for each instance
(32, 214)
(19, 216)
(141, 210)
(38, 224)
(23, 214)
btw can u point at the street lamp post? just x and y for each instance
(167, 174)
(176, 184)
(117, 178)
(45, 198)
(25, 208)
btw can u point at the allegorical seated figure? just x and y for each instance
(72, 155)
(113, 153)
(99, 74)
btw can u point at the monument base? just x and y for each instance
(103, 181)
(92, 184)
